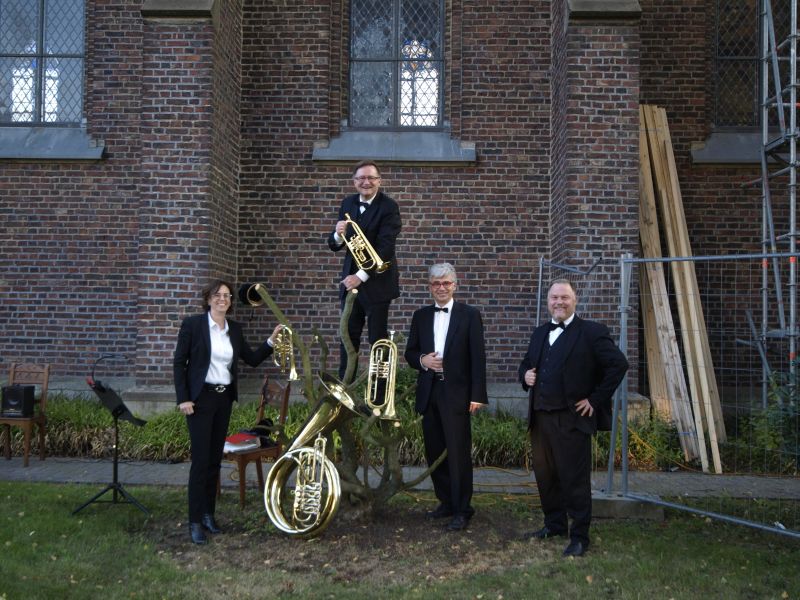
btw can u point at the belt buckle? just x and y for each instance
(219, 388)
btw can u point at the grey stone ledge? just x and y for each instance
(49, 143)
(399, 147)
(728, 147)
(177, 8)
(596, 9)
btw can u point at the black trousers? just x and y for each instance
(376, 316)
(208, 427)
(444, 428)
(562, 457)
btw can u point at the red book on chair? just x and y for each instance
(241, 441)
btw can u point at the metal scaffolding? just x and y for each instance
(778, 73)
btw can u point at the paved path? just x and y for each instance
(487, 479)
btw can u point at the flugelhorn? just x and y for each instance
(381, 377)
(363, 253)
(284, 352)
(307, 509)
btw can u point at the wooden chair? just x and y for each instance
(26, 374)
(277, 395)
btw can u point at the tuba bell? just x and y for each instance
(381, 377)
(248, 294)
(363, 253)
(307, 509)
(283, 352)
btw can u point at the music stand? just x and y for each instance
(111, 400)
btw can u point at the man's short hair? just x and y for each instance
(442, 270)
(563, 281)
(366, 163)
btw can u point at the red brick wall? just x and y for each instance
(131, 239)
(491, 220)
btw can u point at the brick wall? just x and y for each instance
(131, 239)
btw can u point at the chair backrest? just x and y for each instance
(275, 394)
(28, 374)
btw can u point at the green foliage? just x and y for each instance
(653, 444)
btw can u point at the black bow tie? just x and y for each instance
(362, 206)
(437, 309)
(557, 325)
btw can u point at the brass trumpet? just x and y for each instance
(283, 355)
(363, 253)
(381, 377)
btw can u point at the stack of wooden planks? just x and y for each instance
(695, 410)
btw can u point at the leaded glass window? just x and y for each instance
(737, 41)
(41, 62)
(396, 63)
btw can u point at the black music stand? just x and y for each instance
(111, 400)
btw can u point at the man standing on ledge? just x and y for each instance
(570, 372)
(378, 216)
(446, 347)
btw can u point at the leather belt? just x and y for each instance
(217, 387)
(437, 376)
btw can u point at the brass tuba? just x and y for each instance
(284, 352)
(381, 377)
(248, 294)
(307, 509)
(363, 253)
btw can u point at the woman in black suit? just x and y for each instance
(205, 367)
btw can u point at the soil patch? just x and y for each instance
(402, 547)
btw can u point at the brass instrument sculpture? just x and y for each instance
(381, 378)
(248, 294)
(283, 355)
(363, 253)
(307, 509)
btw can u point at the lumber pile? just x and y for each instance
(695, 409)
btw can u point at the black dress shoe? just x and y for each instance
(197, 533)
(210, 524)
(440, 512)
(458, 523)
(575, 548)
(543, 534)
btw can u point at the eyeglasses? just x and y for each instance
(444, 284)
(362, 179)
(222, 296)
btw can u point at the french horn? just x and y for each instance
(363, 253)
(307, 509)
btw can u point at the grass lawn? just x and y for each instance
(108, 552)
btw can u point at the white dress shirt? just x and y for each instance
(558, 331)
(219, 370)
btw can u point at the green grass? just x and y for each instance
(109, 552)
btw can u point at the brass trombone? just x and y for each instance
(379, 394)
(284, 352)
(363, 253)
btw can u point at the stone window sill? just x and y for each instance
(49, 143)
(398, 147)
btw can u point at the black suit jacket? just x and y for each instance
(381, 225)
(464, 365)
(594, 367)
(193, 356)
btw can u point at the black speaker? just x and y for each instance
(18, 400)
